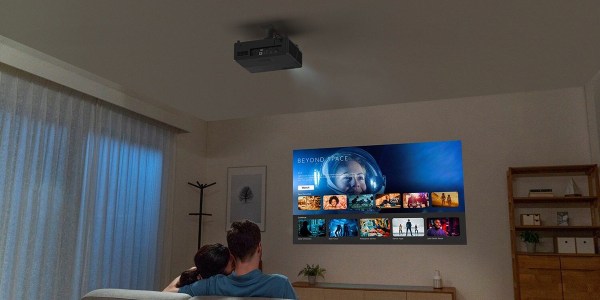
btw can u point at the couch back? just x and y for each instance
(124, 294)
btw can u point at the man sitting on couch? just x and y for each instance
(243, 240)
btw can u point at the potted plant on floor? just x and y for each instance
(531, 239)
(312, 271)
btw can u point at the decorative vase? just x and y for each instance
(312, 279)
(530, 247)
(437, 280)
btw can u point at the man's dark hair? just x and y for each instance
(243, 239)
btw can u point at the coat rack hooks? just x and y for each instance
(200, 213)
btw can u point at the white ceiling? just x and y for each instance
(356, 53)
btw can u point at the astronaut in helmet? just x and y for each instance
(353, 171)
(350, 177)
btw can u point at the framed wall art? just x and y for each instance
(246, 195)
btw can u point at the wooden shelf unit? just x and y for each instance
(556, 200)
(558, 228)
(554, 275)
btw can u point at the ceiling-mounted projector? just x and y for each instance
(270, 54)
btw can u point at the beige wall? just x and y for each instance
(592, 93)
(181, 232)
(536, 128)
(37, 63)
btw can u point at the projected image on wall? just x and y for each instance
(368, 194)
(389, 200)
(343, 228)
(309, 227)
(443, 227)
(365, 203)
(335, 202)
(416, 200)
(309, 203)
(375, 227)
(408, 227)
(448, 199)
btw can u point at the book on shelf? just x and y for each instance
(541, 193)
(572, 189)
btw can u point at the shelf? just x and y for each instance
(552, 275)
(555, 254)
(553, 171)
(581, 199)
(557, 228)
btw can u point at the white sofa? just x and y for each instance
(124, 294)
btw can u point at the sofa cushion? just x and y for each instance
(124, 294)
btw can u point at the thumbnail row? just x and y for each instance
(378, 227)
(369, 202)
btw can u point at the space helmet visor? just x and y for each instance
(373, 178)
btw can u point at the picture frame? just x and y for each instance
(562, 218)
(246, 195)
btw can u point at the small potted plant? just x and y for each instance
(312, 271)
(531, 239)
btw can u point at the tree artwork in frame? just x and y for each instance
(246, 194)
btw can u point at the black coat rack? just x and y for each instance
(200, 213)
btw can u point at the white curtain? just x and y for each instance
(82, 192)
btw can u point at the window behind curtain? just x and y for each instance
(82, 191)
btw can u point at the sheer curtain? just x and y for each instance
(82, 192)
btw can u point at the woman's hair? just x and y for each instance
(210, 260)
(334, 198)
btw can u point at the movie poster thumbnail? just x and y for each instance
(311, 227)
(390, 200)
(361, 202)
(444, 199)
(415, 200)
(343, 228)
(443, 227)
(335, 202)
(375, 227)
(309, 202)
(408, 227)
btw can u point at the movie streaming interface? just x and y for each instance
(436, 228)
(399, 202)
(388, 194)
(338, 226)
